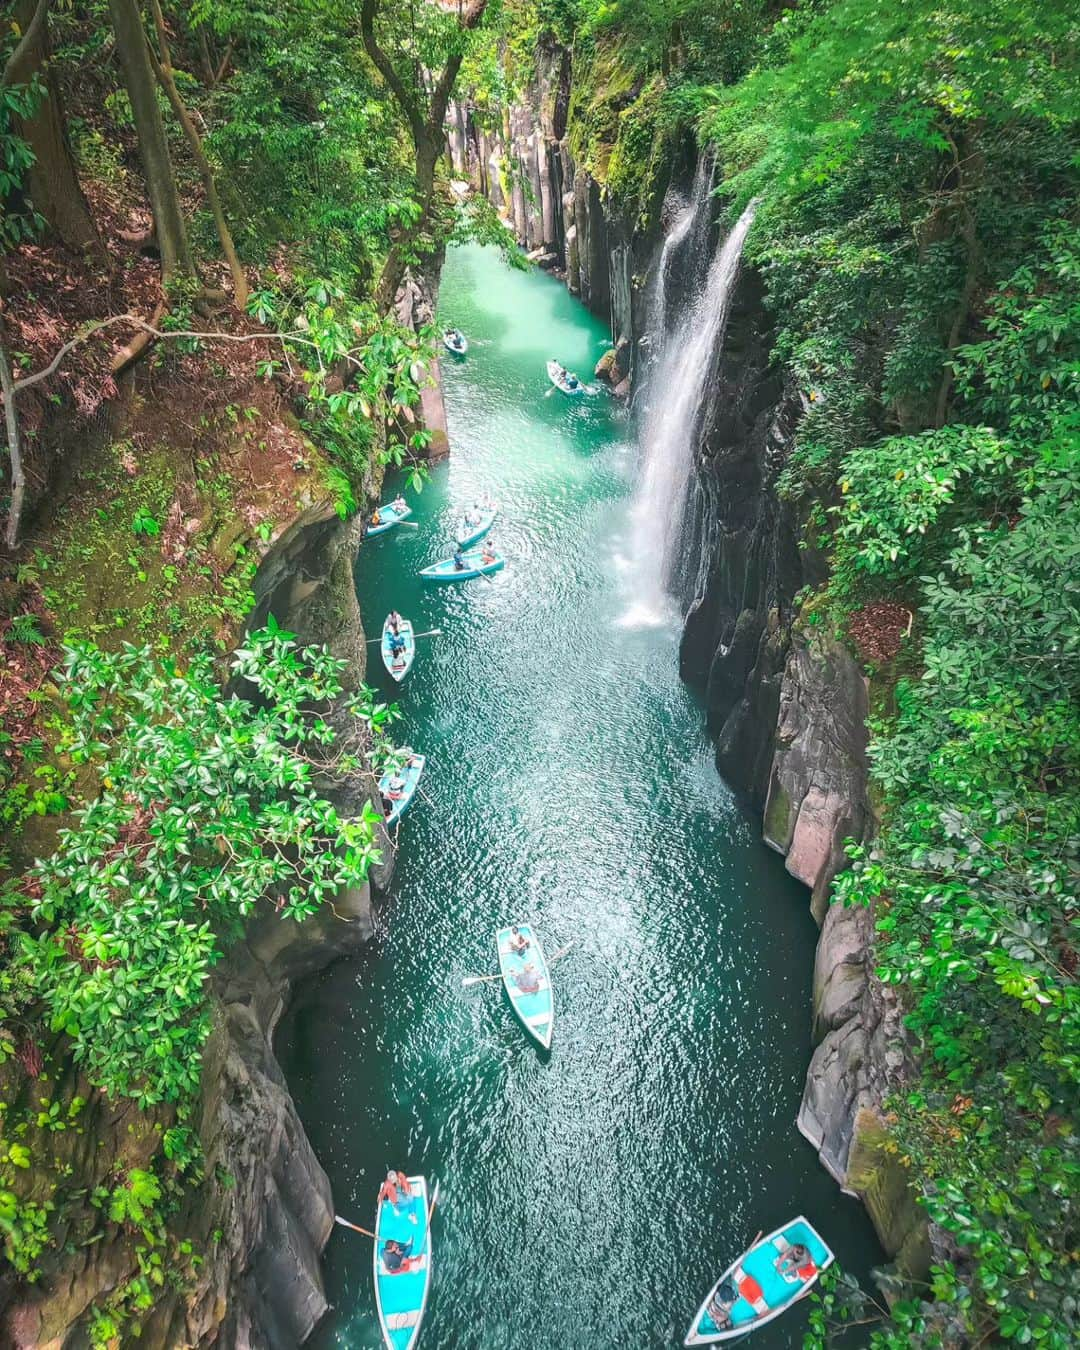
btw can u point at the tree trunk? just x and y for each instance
(163, 69)
(176, 257)
(11, 428)
(54, 184)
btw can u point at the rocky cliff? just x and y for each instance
(787, 709)
(245, 1242)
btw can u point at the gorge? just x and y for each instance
(769, 725)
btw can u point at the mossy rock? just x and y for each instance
(885, 1184)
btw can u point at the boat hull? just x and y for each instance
(559, 380)
(388, 518)
(411, 774)
(756, 1291)
(472, 534)
(401, 1298)
(536, 1011)
(444, 571)
(399, 668)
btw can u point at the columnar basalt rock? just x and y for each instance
(787, 713)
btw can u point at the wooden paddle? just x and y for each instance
(469, 980)
(354, 1226)
(367, 1231)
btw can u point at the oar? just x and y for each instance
(481, 979)
(410, 524)
(367, 1231)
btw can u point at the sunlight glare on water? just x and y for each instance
(589, 1197)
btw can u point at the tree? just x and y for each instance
(163, 69)
(172, 239)
(401, 66)
(54, 184)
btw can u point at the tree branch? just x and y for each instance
(25, 46)
(385, 67)
(11, 425)
(163, 71)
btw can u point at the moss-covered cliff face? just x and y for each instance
(225, 1250)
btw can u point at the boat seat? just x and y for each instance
(538, 1019)
(403, 1321)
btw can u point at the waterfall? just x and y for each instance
(677, 388)
(688, 211)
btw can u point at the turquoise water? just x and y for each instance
(590, 1196)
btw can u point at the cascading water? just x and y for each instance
(676, 391)
(690, 211)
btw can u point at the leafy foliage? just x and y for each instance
(206, 807)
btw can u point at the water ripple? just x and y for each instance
(589, 1195)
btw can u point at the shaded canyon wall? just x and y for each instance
(786, 708)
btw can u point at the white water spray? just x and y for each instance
(681, 225)
(676, 390)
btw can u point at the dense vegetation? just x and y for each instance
(918, 233)
(250, 184)
(919, 237)
(214, 206)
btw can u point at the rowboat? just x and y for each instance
(446, 571)
(535, 1009)
(398, 666)
(564, 379)
(454, 341)
(764, 1282)
(401, 1297)
(472, 533)
(389, 516)
(411, 774)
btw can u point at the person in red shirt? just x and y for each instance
(796, 1263)
(395, 1190)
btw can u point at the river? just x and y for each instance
(589, 1198)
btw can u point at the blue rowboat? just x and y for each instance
(446, 571)
(473, 529)
(764, 1282)
(454, 341)
(411, 774)
(398, 666)
(535, 1007)
(564, 379)
(389, 516)
(401, 1297)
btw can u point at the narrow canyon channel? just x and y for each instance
(589, 1198)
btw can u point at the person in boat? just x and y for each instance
(528, 980)
(397, 1256)
(395, 1190)
(394, 620)
(571, 381)
(459, 560)
(376, 518)
(519, 943)
(473, 517)
(400, 504)
(796, 1264)
(395, 788)
(396, 643)
(720, 1305)
(487, 553)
